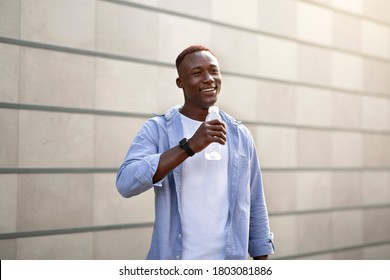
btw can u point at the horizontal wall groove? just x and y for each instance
(328, 210)
(327, 169)
(98, 54)
(316, 86)
(56, 170)
(73, 110)
(26, 234)
(13, 235)
(320, 128)
(333, 250)
(62, 231)
(93, 53)
(357, 16)
(251, 30)
(70, 170)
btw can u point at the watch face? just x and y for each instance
(182, 141)
(184, 145)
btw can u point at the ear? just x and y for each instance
(179, 82)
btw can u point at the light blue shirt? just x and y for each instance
(247, 226)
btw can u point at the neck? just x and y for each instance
(198, 114)
(195, 114)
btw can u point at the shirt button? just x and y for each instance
(179, 235)
(178, 257)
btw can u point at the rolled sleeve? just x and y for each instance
(146, 170)
(137, 176)
(262, 247)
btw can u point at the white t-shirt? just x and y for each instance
(205, 202)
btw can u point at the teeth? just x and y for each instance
(207, 89)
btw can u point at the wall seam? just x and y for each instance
(97, 54)
(245, 29)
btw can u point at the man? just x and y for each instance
(204, 209)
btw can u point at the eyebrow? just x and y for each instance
(200, 67)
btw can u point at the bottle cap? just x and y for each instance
(213, 109)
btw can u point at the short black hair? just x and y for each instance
(190, 49)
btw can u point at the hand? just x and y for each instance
(265, 257)
(207, 133)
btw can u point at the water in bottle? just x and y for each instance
(214, 150)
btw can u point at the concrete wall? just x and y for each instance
(311, 79)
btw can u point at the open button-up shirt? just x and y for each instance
(247, 226)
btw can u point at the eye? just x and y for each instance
(197, 73)
(214, 71)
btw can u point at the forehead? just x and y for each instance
(199, 59)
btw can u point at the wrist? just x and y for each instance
(186, 147)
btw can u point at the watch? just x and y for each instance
(184, 145)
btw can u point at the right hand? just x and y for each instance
(207, 133)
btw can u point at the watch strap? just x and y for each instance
(184, 145)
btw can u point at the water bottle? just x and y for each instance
(214, 150)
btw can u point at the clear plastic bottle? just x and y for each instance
(214, 150)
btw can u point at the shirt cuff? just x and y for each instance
(262, 248)
(147, 169)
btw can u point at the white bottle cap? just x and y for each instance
(213, 109)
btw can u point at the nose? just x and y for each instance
(208, 78)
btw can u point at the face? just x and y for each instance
(200, 79)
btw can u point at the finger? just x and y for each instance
(217, 127)
(220, 140)
(218, 135)
(216, 122)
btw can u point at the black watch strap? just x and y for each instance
(184, 145)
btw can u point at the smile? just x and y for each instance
(208, 89)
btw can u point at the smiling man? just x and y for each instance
(204, 209)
